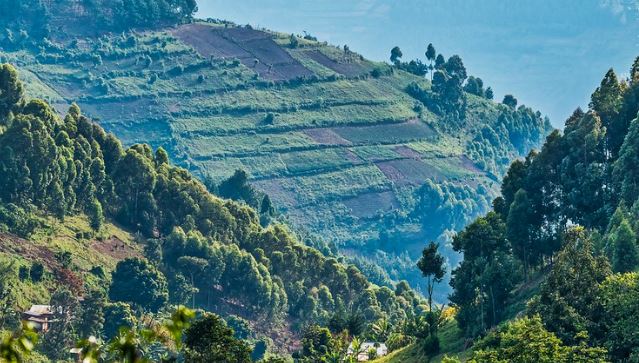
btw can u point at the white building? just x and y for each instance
(362, 353)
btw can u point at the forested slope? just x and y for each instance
(65, 181)
(550, 274)
(367, 155)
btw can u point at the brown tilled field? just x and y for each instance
(255, 49)
(367, 205)
(347, 69)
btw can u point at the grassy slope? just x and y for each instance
(340, 148)
(105, 249)
(452, 344)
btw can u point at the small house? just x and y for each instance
(367, 350)
(40, 316)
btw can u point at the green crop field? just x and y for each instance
(333, 138)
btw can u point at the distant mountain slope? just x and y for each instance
(335, 140)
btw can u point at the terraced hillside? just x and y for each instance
(334, 139)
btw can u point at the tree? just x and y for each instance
(455, 69)
(61, 335)
(431, 54)
(396, 55)
(193, 266)
(440, 62)
(489, 93)
(96, 215)
(624, 243)
(510, 101)
(607, 98)
(518, 230)
(619, 294)
(237, 187)
(137, 282)
(209, 339)
(37, 271)
(526, 340)
(567, 302)
(626, 168)
(92, 317)
(431, 265)
(475, 86)
(483, 281)
(117, 316)
(293, 41)
(11, 90)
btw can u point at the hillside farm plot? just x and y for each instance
(369, 204)
(387, 134)
(409, 171)
(326, 137)
(203, 148)
(316, 160)
(209, 42)
(351, 114)
(334, 185)
(254, 48)
(347, 69)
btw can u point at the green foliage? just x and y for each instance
(620, 300)
(209, 339)
(12, 90)
(526, 340)
(92, 317)
(625, 167)
(396, 55)
(14, 347)
(432, 267)
(567, 302)
(116, 316)
(624, 244)
(61, 335)
(510, 101)
(483, 281)
(137, 282)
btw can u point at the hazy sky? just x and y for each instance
(551, 54)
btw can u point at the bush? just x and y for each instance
(269, 119)
(430, 345)
(23, 272)
(37, 272)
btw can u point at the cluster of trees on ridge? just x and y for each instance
(447, 96)
(567, 215)
(199, 249)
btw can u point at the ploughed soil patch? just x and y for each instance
(254, 48)
(274, 189)
(469, 164)
(409, 171)
(14, 245)
(367, 205)
(407, 152)
(347, 69)
(326, 137)
(115, 247)
(387, 133)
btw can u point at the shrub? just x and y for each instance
(269, 119)
(37, 272)
(23, 272)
